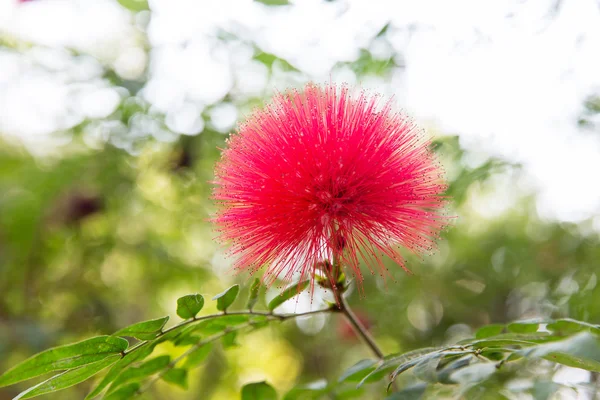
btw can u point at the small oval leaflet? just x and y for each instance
(229, 340)
(146, 330)
(287, 294)
(525, 326)
(189, 306)
(226, 298)
(258, 391)
(176, 376)
(253, 297)
(489, 330)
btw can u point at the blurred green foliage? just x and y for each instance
(96, 239)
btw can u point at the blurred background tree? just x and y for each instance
(113, 114)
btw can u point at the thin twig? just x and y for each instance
(359, 328)
(268, 315)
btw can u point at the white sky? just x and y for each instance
(507, 76)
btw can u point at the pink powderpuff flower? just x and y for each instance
(327, 177)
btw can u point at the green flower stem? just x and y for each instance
(271, 316)
(359, 328)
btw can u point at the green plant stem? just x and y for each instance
(268, 315)
(359, 328)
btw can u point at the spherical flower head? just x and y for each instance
(323, 179)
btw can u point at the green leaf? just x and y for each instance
(583, 343)
(68, 378)
(428, 362)
(414, 392)
(146, 330)
(258, 391)
(408, 360)
(189, 306)
(473, 373)
(579, 351)
(64, 357)
(511, 339)
(174, 333)
(253, 297)
(346, 393)
(314, 390)
(492, 342)
(527, 326)
(496, 353)
(269, 60)
(454, 365)
(186, 336)
(215, 325)
(375, 376)
(137, 374)
(178, 335)
(187, 340)
(139, 354)
(405, 366)
(259, 321)
(134, 5)
(570, 326)
(287, 294)
(124, 393)
(198, 355)
(358, 371)
(226, 298)
(391, 362)
(176, 376)
(489, 330)
(398, 358)
(574, 361)
(366, 64)
(229, 339)
(273, 2)
(219, 324)
(543, 390)
(426, 369)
